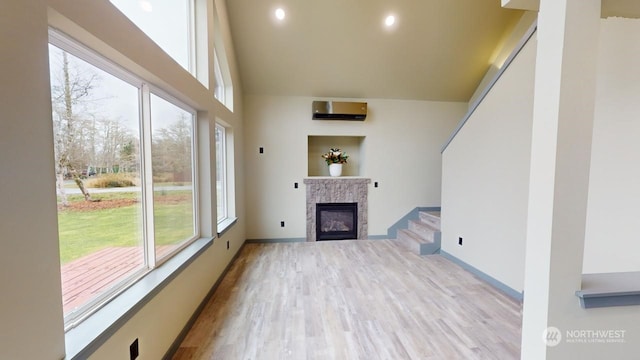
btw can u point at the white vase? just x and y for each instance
(335, 169)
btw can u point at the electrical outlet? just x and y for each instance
(227, 244)
(460, 241)
(375, 184)
(295, 185)
(133, 350)
(261, 150)
(281, 223)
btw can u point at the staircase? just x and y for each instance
(423, 234)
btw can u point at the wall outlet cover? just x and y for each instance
(134, 351)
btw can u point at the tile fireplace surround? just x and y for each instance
(337, 190)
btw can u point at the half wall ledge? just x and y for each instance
(610, 289)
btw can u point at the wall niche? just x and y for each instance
(351, 145)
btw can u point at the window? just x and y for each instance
(223, 90)
(225, 187)
(169, 23)
(221, 173)
(125, 176)
(173, 174)
(223, 87)
(219, 90)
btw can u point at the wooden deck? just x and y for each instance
(86, 277)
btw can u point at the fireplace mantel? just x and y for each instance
(337, 190)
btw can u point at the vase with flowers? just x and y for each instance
(335, 158)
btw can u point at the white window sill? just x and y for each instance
(88, 336)
(225, 225)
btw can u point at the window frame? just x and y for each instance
(154, 90)
(76, 317)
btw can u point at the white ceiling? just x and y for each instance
(438, 49)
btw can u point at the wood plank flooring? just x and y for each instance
(362, 299)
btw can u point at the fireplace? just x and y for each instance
(323, 190)
(336, 221)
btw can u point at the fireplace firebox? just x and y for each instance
(336, 221)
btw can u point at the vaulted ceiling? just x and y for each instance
(610, 8)
(436, 50)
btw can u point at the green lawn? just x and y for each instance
(173, 223)
(84, 232)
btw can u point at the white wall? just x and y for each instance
(485, 178)
(485, 185)
(613, 217)
(30, 306)
(611, 241)
(401, 152)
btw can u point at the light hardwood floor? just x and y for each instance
(362, 299)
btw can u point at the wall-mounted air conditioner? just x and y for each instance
(338, 110)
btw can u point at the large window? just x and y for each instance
(169, 23)
(125, 176)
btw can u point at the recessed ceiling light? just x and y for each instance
(146, 5)
(390, 20)
(280, 14)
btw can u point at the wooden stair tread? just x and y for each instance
(424, 225)
(432, 218)
(414, 236)
(422, 234)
